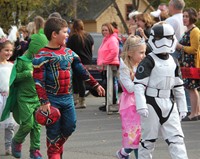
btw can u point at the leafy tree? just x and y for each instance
(67, 8)
(6, 14)
(17, 12)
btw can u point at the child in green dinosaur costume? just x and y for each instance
(23, 99)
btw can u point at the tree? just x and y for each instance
(6, 14)
(16, 12)
(10, 12)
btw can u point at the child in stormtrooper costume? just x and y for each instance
(158, 84)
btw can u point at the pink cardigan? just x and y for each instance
(108, 53)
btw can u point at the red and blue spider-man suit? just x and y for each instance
(53, 79)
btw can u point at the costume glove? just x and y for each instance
(182, 115)
(143, 112)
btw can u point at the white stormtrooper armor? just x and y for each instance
(158, 84)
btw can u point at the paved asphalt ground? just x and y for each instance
(98, 136)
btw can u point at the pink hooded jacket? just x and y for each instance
(108, 53)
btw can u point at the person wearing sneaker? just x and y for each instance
(53, 68)
(160, 96)
(133, 52)
(6, 51)
(108, 55)
(81, 43)
(189, 58)
(122, 154)
(23, 99)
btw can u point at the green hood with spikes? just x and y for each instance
(37, 42)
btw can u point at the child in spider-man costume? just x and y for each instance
(53, 69)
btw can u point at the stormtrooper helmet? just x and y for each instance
(162, 38)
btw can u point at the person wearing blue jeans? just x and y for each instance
(54, 67)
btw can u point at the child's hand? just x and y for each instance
(179, 46)
(101, 90)
(45, 108)
(143, 112)
(141, 31)
(4, 93)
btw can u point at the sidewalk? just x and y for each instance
(98, 136)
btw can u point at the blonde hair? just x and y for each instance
(31, 28)
(39, 23)
(131, 44)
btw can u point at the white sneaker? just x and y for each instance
(8, 152)
(120, 156)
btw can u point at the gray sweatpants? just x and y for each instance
(9, 133)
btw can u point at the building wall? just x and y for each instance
(90, 26)
(110, 15)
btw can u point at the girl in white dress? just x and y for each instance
(6, 50)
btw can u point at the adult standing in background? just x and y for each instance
(199, 14)
(190, 49)
(144, 23)
(108, 55)
(82, 43)
(176, 19)
(132, 21)
(161, 13)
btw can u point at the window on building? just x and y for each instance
(129, 8)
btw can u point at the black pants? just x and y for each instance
(104, 83)
(79, 85)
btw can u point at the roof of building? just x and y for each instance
(93, 9)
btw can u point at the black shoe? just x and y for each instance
(190, 119)
(188, 113)
(102, 108)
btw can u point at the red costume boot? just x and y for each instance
(55, 149)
